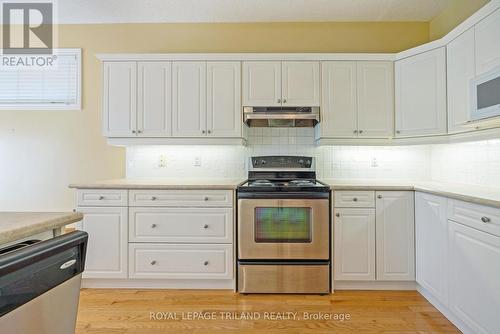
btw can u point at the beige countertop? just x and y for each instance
(18, 225)
(465, 192)
(161, 183)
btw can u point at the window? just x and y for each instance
(56, 87)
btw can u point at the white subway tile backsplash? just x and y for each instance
(473, 163)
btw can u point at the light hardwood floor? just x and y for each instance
(128, 311)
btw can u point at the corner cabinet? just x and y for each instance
(357, 99)
(421, 94)
(487, 45)
(276, 83)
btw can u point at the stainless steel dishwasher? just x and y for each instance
(40, 284)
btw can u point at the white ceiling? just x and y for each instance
(135, 11)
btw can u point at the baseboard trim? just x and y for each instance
(374, 285)
(101, 283)
(445, 311)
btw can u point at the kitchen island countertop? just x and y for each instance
(18, 225)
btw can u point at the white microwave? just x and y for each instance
(485, 97)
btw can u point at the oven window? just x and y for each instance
(283, 225)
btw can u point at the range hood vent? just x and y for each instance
(297, 117)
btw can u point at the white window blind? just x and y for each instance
(47, 87)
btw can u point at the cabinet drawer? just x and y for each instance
(181, 261)
(483, 218)
(101, 197)
(354, 199)
(179, 198)
(196, 225)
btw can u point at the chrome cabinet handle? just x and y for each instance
(398, 132)
(279, 101)
(133, 131)
(139, 131)
(153, 225)
(101, 198)
(203, 131)
(205, 226)
(355, 199)
(360, 131)
(485, 219)
(355, 131)
(379, 196)
(284, 100)
(154, 198)
(153, 262)
(205, 263)
(337, 215)
(205, 199)
(209, 131)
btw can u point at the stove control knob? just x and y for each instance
(301, 161)
(263, 162)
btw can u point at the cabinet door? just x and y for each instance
(262, 83)
(375, 83)
(224, 99)
(421, 94)
(119, 99)
(354, 244)
(189, 99)
(154, 108)
(487, 45)
(300, 83)
(431, 238)
(460, 69)
(338, 99)
(395, 231)
(107, 245)
(474, 273)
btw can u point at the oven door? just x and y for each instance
(292, 229)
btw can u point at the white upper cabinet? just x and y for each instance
(224, 99)
(338, 99)
(460, 63)
(395, 231)
(431, 235)
(357, 99)
(354, 244)
(300, 83)
(375, 92)
(154, 107)
(276, 83)
(421, 94)
(262, 83)
(189, 99)
(487, 43)
(119, 99)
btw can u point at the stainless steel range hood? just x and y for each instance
(299, 117)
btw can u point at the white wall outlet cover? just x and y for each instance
(162, 161)
(197, 161)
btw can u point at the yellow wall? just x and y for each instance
(42, 152)
(452, 16)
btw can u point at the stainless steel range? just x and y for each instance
(283, 228)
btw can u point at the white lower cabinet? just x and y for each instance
(181, 261)
(107, 244)
(395, 236)
(474, 277)
(431, 229)
(354, 244)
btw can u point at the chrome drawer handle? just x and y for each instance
(355, 199)
(154, 198)
(337, 215)
(101, 198)
(205, 263)
(205, 226)
(485, 219)
(205, 198)
(153, 262)
(153, 225)
(379, 196)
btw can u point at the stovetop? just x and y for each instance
(272, 174)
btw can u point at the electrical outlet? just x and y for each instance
(374, 162)
(197, 161)
(162, 161)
